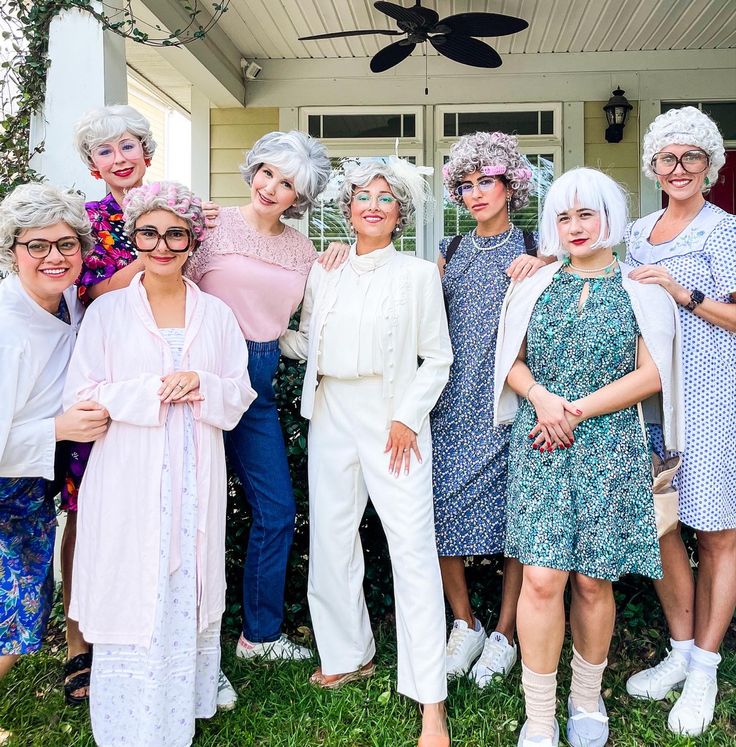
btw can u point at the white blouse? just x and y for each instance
(350, 345)
(35, 348)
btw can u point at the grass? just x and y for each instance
(278, 708)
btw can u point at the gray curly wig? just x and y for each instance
(170, 196)
(491, 151)
(300, 158)
(109, 123)
(362, 175)
(685, 126)
(39, 206)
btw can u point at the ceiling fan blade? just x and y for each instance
(416, 15)
(483, 24)
(334, 35)
(391, 55)
(466, 50)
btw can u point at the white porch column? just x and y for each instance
(200, 143)
(87, 70)
(650, 197)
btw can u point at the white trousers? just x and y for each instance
(347, 437)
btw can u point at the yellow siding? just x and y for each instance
(232, 133)
(619, 160)
(155, 113)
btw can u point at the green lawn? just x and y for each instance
(278, 708)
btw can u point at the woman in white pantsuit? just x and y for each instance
(363, 328)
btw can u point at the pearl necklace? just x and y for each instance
(605, 270)
(474, 235)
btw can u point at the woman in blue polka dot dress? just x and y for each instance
(488, 175)
(690, 250)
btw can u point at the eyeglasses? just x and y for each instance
(67, 246)
(485, 184)
(176, 239)
(129, 149)
(365, 199)
(693, 161)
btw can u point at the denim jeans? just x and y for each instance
(256, 451)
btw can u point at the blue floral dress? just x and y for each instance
(588, 508)
(469, 454)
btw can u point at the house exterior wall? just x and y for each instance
(156, 115)
(619, 160)
(232, 132)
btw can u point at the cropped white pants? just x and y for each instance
(347, 438)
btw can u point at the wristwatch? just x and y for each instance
(696, 297)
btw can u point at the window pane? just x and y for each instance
(518, 123)
(361, 125)
(314, 125)
(548, 124)
(410, 125)
(449, 129)
(724, 115)
(326, 221)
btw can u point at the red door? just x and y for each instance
(723, 192)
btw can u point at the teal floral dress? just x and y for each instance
(587, 508)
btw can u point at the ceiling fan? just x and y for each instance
(451, 36)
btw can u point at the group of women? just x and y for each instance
(493, 406)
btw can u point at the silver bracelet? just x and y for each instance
(536, 383)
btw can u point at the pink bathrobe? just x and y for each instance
(118, 361)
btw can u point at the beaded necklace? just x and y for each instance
(508, 232)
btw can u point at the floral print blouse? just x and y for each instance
(112, 251)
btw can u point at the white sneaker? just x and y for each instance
(226, 695)
(655, 683)
(587, 728)
(282, 648)
(463, 647)
(525, 741)
(498, 657)
(693, 710)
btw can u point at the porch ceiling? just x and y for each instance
(269, 29)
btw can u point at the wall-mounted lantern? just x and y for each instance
(617, 109)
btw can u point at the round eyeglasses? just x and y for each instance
(365, 199)
(177, 240)
(67, 246)
(128, 149)
(692, 161)
(485, 184)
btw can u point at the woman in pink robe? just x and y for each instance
(148, 590)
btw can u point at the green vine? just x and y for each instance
(24, 61)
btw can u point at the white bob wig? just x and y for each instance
(300, 158)
(38, 205)
(110, 123)
(685, 126)
(587, 188)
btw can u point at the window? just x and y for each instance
(353, 126)
(723, 113)
(529, 122)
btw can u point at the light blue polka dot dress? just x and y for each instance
(702, 257)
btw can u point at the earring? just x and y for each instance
(14, 267)
(96, 174)
(657, 185)
(707, 182)
(508, 204)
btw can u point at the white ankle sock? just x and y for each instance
(705, 661)
(585, 688)
(684, 648)
(539, 694)
(476, 627)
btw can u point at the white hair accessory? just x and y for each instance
(419, 188)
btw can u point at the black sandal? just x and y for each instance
(74, 668)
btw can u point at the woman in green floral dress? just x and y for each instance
(582, 345)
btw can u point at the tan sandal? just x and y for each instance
(320, 680)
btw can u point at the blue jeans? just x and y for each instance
(256, 451)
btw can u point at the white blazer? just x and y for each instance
(658, 319)
(413, 325)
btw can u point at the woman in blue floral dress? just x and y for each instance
(487, 175)
(43, 234)
(582, 344)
